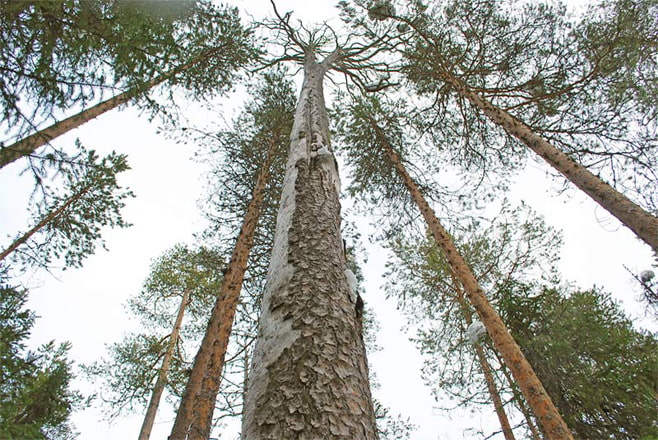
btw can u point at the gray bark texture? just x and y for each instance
(309, 374)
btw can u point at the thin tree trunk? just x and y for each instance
(495, 396)
(528, 382)
(641, 222)
(31, 143)
(194, 416)
(158, 388)
(521, 403)
(309, 375)
(484, 364)
(44, 221)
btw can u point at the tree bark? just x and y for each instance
(641, 222)
(525, 377)
(486, 369)
(309, 375)
(31, 143)
(521, 403)
(194, 416)
(158, 388)
(44, 221)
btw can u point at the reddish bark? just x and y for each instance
(484, 364)
(31, 143)
(194, 416)
(525, 377)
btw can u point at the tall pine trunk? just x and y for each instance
(524, 375)
(194, 416)
(309, 375)
(31, 143)
(158, 388)
(641, 222)
(484, 364)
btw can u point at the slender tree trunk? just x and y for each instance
(44, 221)
(495, 396)
(31, 143)
(528, 382)
(194, 416)
(160, 383)
(486, 369)
(642, 223)
(521, 403)
(309, 375)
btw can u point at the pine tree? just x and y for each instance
(309, 372)
(35, 391)
(600, 370)
(193, 44)
(174, 302)
(264, 126)
(481, 62)
(374, 128)
(68, 225)
(505, 252)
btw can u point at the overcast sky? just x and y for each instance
(85, 306)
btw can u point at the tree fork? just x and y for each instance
(158, 388)
(638, 220)
(530, 385)
(194, 415)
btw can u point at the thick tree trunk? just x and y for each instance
(642, 223)
(486, 369)
(309, 375)
(194, 416)
(31, 143)
(525, 377)
(44, 221)
(158, 388)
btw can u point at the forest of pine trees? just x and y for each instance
(374, 219)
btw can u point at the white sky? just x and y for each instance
(85, 306)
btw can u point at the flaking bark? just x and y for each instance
(309, 375)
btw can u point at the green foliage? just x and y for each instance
(180, 269)
(35, 396)
(600, 372)
(265, 120)
(59, 53)
(239, 153)
(510, 252)
(131, 367)
(68, 224)
(366, 128)
(585, 84)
